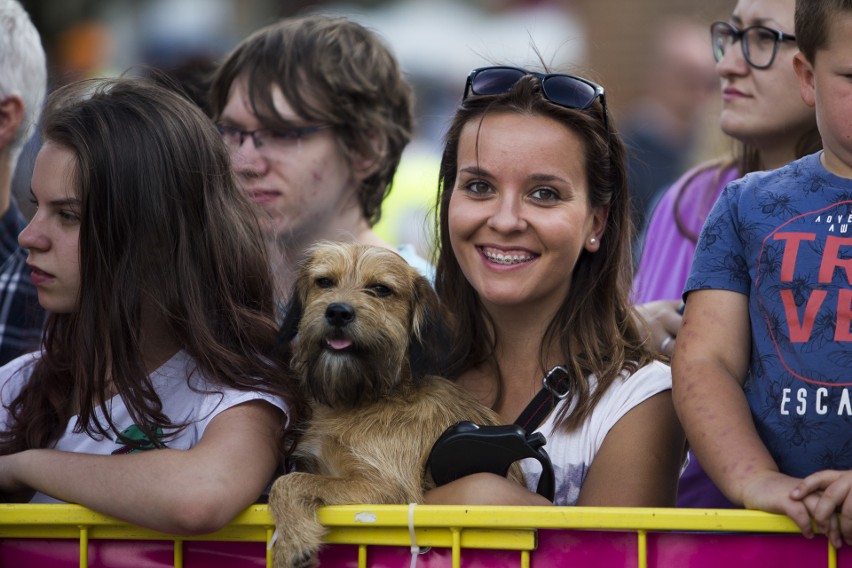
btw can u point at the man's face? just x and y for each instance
(301, 184)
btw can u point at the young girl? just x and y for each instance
(534, 263)
(152, 398)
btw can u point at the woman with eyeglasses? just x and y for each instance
(764, 114)
(534, 259)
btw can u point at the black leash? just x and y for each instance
(555, 388)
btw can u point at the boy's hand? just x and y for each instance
(834, 491)
(771, 491)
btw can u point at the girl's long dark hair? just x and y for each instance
(164, 230)
(596, 326)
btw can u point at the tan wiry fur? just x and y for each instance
(371, 428)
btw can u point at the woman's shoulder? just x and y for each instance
(644, 382)
(653, 371)
(626, 392)
(689, 199)
(15, 374)
(183, 386)
(708, 176)
(20, 366)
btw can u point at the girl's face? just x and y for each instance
(519, 216)
(763, 107)
(53, 234)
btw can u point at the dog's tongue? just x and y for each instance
(339, 343)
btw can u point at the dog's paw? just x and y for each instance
(287, 556)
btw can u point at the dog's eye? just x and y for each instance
(324, 282)
(380, 290)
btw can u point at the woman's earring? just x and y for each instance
(592, 241)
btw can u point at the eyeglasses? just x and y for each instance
(759, 43)
(564, 90)
(268, 138)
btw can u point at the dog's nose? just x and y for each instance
(339, 315)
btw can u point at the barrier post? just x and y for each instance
(84, 547)
(642, 538)
(456, 547)
(269, 532)
(832, 555)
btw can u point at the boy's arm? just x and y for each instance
(191, 491)
(709, 367)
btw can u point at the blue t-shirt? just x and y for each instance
(784, 239)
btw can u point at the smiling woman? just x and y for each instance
(524, 175)
(534, 243)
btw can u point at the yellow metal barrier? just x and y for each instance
(452, 527)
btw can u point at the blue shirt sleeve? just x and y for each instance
(720, 261)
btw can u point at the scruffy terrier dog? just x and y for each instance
(364, 328)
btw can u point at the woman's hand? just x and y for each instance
(663, 319)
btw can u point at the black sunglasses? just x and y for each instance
(564, 90)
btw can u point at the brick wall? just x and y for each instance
(620, 32)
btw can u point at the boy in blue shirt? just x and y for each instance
(763, 364)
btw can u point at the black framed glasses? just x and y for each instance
(759, 43)
(266, 138)
(564, 90)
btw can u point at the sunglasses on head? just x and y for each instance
(564, 90)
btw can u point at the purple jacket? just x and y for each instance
(668, 248)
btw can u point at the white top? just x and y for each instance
(572, 452)
(187, 396)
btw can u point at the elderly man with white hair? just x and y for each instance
(23, 81)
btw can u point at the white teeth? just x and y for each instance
(500, 258)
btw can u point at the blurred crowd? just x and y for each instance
(660, 93)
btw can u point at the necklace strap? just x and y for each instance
(555, 388)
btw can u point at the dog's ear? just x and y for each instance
(430, 332)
